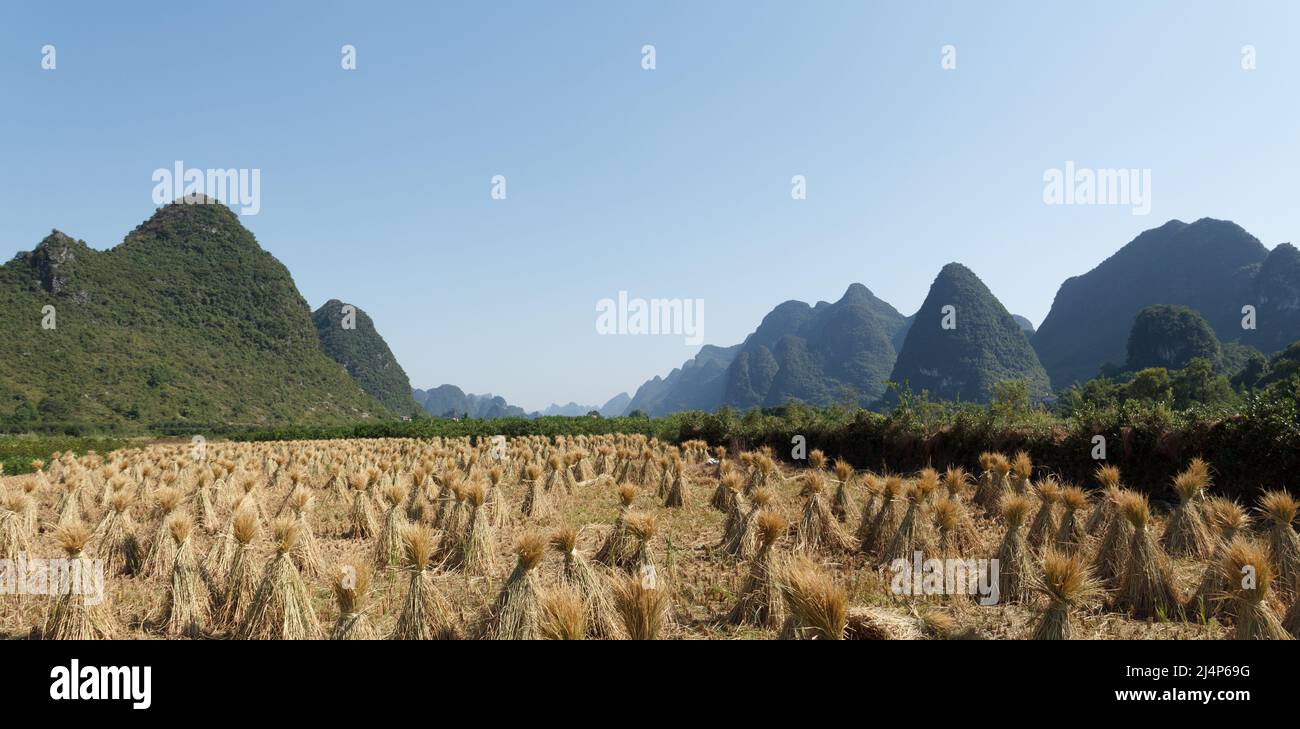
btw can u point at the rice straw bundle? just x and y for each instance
(817, 527)
(817, 607)
(562, 614)
(76, 615)
(241, 582)
(613, 552)
(602, 618)
(186, 605)
(15, 536)
(643, 604)
(1015, 564)
(760, 601)
(478, 555)
(1279, 511)
(874, 535)
(516, 614)
(389, 550)
(1146, 589)
(536, 502)
(364, 525)
(1248, 572)
(115, 541)
(843, 506)
(426, 614)
(351, 583)
(1228, 518)
(1044, 525)
(1070, 535)
(158, 558)
(724, 496)
(281, 608)
(1067, 584)
(1186, 534)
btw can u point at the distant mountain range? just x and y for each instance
(189, 320)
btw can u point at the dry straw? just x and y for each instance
(75, 615)
(388, 547)
(1186, 534)
(818, 528)
(364, 524)
(563, 615)
(1015, 564)
(877, 529)
(843, 505)
(241, 582)
(1279, 511)
(760, 602)
(158, 558)
(1044, 524)
(602, 618)
(115, 542)
(913, 533)
(281, 608)
(1071, 535)
(15, 535)
(516, 613)
(1146, 588)
(351, 583)
(1228, 518)
(617, 546)
(426, 614)
(1067, 584)
(644, 606)
(186, 605)
(1248, 572)
(817, 606)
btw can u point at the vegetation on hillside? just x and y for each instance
(189, 319)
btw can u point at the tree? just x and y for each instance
(1151, 385)
(1199, 384)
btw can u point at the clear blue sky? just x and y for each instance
(666, 183)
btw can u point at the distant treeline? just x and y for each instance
(1252, 440)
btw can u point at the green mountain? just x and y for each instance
(1170, 337)
(984, 346)
(1211, 266)
(188, 319)
(365, 354)
(820, 354)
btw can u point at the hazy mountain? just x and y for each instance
(570, 410)
(616, 406)
(365, 354)
(696, 385)
(819, 354)
(1170, 337)
(447, 401)
(1211, 266)
(1275, 293)
(1026, 326)
(984, 346)
(188, 319)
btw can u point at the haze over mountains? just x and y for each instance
(189, 320)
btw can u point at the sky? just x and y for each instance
(673, 182)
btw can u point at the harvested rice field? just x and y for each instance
(618, 537)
